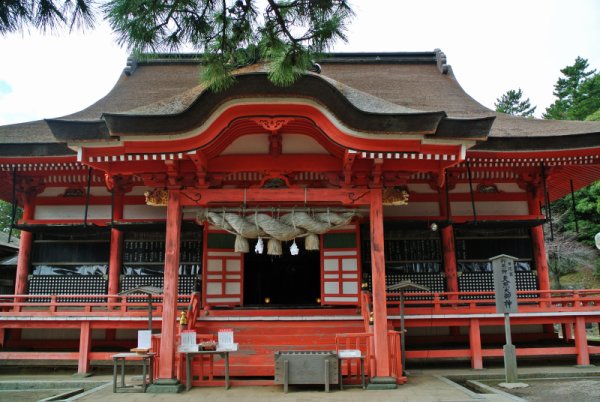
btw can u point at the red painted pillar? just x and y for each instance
(567, 330)
(449, 255)
(539, 255)
(581, 345)
(539, 248)
(26, 243)
(169, 314)
(85, 344)
(116, 246)
(475, 344)
(380, 325)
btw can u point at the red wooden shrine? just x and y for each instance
(113, 197)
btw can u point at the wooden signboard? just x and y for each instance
(505, 283)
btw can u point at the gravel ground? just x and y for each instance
(558, 390)
(28, 395)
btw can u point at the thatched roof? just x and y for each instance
(418, 84)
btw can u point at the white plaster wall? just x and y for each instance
(301, 144)
(47, 212)
(421, 188)
(59, 191)
(490, 208)
(413, 209)
(504, 187)
(509, 188)
(249, 144)
(52, 192)
(144, 212)
(139, 190)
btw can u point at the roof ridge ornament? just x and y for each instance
(440, 58)
(131, 66)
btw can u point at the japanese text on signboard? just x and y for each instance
(505, 284)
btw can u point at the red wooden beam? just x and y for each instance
(294, 111)
(287, 162)
(319, 196)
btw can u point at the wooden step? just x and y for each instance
(259, 340)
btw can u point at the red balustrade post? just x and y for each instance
(85, 344)
(475, 344)
(581, 345)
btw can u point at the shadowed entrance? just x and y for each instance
(284, 280)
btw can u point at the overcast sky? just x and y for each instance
(492, 46)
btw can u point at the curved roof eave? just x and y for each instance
(358, 113)
(71, 130)
(546, 143)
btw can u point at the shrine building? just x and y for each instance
(284, 214)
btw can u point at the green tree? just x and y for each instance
(512, 103)
(578, 98)
(578, 93)
(6, 216)
(566, 255)
(587, 213)
(594, 116)
(288, 34)
(19, 15)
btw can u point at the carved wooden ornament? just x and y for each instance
(395, 196)
(157, 197)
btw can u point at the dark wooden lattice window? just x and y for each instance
(407, 251)
(475, 246)
(144, 253)
(75, 254)
(70, 264)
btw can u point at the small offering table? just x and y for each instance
(145, 358)
(188, 364)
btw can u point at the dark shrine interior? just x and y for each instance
(282, 280)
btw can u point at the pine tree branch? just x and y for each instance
(275, 8)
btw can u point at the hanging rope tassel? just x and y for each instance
(274, 247)
(241, 244)
(311, 242)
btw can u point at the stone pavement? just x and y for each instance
(423, 385)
